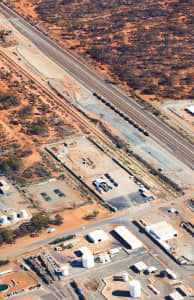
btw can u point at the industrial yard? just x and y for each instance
(98, 171)
(96, 182)
(172, 227)
(54, 194)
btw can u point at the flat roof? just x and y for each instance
(176, 296)
(140, 266)
(128, 237)
(190, 108)
(98, 235)
(162, 230)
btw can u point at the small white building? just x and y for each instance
(171, 274)
(190, 109)
(97, 236)
(152, 270)
(129, 238)
(140, 266)
(64, 271)
(161, 231)
(176, 296)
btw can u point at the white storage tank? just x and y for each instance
(88, 261)
(23, 214)
(125, 276)
(64, 271)
(135, 289)
(13, 217)
(4, 220)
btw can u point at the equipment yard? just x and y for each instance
(177, 237)
(54, 193)
(98, 171)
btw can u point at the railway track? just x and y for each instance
(66, 106)
(162, 133)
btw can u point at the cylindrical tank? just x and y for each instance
(135, 289)
(88, 261)
(4, 220)
(125, 276)
(13, 216)
(64, 271)
(23, 214)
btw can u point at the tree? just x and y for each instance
(39, 221)
(58, 220)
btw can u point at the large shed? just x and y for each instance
(97, 236)
(161, 231)
(140, 266)
(176, 296)
(190, 109)
(129, 238)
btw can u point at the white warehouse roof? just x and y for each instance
(98, 236)
(162, 231)
(190, 109)
(128, 237)
(176, 296)
(140, 266)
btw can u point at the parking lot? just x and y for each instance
(99, 171)
(53, 193)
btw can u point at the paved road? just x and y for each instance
(122, 218)
(177, 145)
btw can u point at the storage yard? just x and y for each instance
(54, 194)
(10, 199)
(98, 171)
(19, 281)
(172, 227)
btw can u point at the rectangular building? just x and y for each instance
(129, 238)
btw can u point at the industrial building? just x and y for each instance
(161, 231)
(88, 261)
(175, 296)
(190, 109)
(64, 270)
(129, 238)
(97, 236)
(140, 266)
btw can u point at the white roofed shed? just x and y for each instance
(97, 236)
(162, 231)
(129, 238)
(140, 266)
(176, 296)
(190, 109)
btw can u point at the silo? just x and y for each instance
(125, 276)
(23, 214)
(64, 271)
(4, 220)
(13, 217)
(135, 289)
(88, 261)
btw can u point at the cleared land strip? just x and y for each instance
(174, 142)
